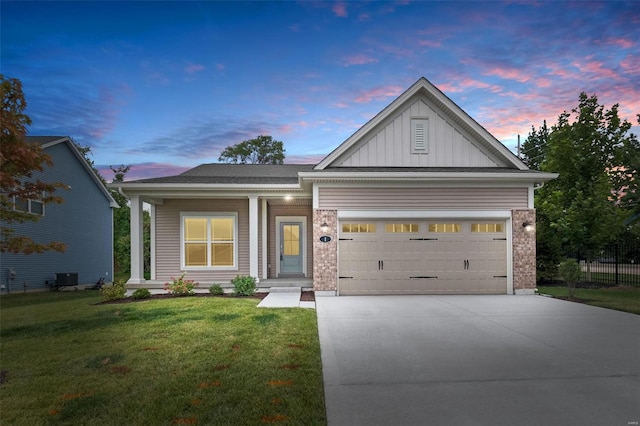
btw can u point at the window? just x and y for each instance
(419, 135)
(400, 227)
(487, 227)
(209, 241)
(28, 206)
(445, 227)
(359, 227)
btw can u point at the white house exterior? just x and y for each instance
(420, 200)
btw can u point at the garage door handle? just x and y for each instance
(423, 239)
(499, 276)
(423, 276)
(466, 264)
(345, 239)
(380, 265)
(344, 277)
(499, 239)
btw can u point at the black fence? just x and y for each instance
(617, 264)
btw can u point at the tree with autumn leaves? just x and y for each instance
(20, 163)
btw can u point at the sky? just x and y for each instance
(166, 86)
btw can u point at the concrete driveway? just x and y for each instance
(477, 360)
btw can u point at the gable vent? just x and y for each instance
(419, 135)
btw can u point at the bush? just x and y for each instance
(216, 290)
(114, 292)
(180, 286)
(141, 293)
(570, 272)
(244, 285)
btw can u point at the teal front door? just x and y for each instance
(290, 248)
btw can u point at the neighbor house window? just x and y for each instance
(400, 227)
(445, 227)
(28, 206)
(359, 227)
(210, 241)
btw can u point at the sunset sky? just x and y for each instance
(165, 86)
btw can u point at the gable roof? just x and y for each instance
(49, 141)
(423, 87)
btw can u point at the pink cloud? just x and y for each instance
(621, 42)
(466, 83)
(509, 74)
(359, 59)
(378, 93)
(429, 43)
(193, 68)
(597, 68)
(340, 9)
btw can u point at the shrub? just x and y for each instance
(180, 286)
(141, 293)
(114, 292)
(244, 285)
(570, 271)
(216, 290)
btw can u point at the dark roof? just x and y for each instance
(236, 174)
(423, 170)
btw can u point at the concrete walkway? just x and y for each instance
(477, 360)
(284, 297)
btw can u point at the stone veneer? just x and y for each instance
(325, 255)
(524, 252)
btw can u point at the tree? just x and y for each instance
(20, 163)
(261, 150)
(596, 156)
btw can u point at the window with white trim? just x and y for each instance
(35, 207)
(209, 241)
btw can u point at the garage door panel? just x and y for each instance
(452, 259)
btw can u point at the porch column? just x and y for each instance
(137, 242)
(265, 250)
(253, 236)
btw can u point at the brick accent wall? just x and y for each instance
(524, 251)
(325, 255)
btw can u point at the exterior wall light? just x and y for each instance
(528, 226)
(324, 227)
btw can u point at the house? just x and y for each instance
(420, 200)
(84, 222)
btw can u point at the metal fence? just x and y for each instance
(617, 264)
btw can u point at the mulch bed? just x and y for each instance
(306, 296)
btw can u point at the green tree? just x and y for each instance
(534, 148)
(594, 153)
(261, 150)
(20, 163)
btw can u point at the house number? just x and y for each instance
(325, 238)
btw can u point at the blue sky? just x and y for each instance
(165, 86)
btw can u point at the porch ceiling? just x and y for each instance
(291, 202)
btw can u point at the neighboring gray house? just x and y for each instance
(420, 200)
(84, 222)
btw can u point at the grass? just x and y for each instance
(626, 299)
(66, 361)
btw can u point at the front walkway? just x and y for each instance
(477, 360)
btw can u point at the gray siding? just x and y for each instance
(391, 198)
(83, 222)
(168, 238)
(389, 144)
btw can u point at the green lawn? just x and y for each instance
(625, 299)
(192, 360)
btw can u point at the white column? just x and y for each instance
(137, 242)
(152, 212)
(265, 227)
(253, 235)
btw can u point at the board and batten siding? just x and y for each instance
(389, 145)
(392, 198)
(168, 238)
(273, 252)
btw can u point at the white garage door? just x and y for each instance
(422, 257)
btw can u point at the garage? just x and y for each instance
(435, 256)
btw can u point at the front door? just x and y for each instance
(290, 248)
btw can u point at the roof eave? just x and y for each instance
(429, 176)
